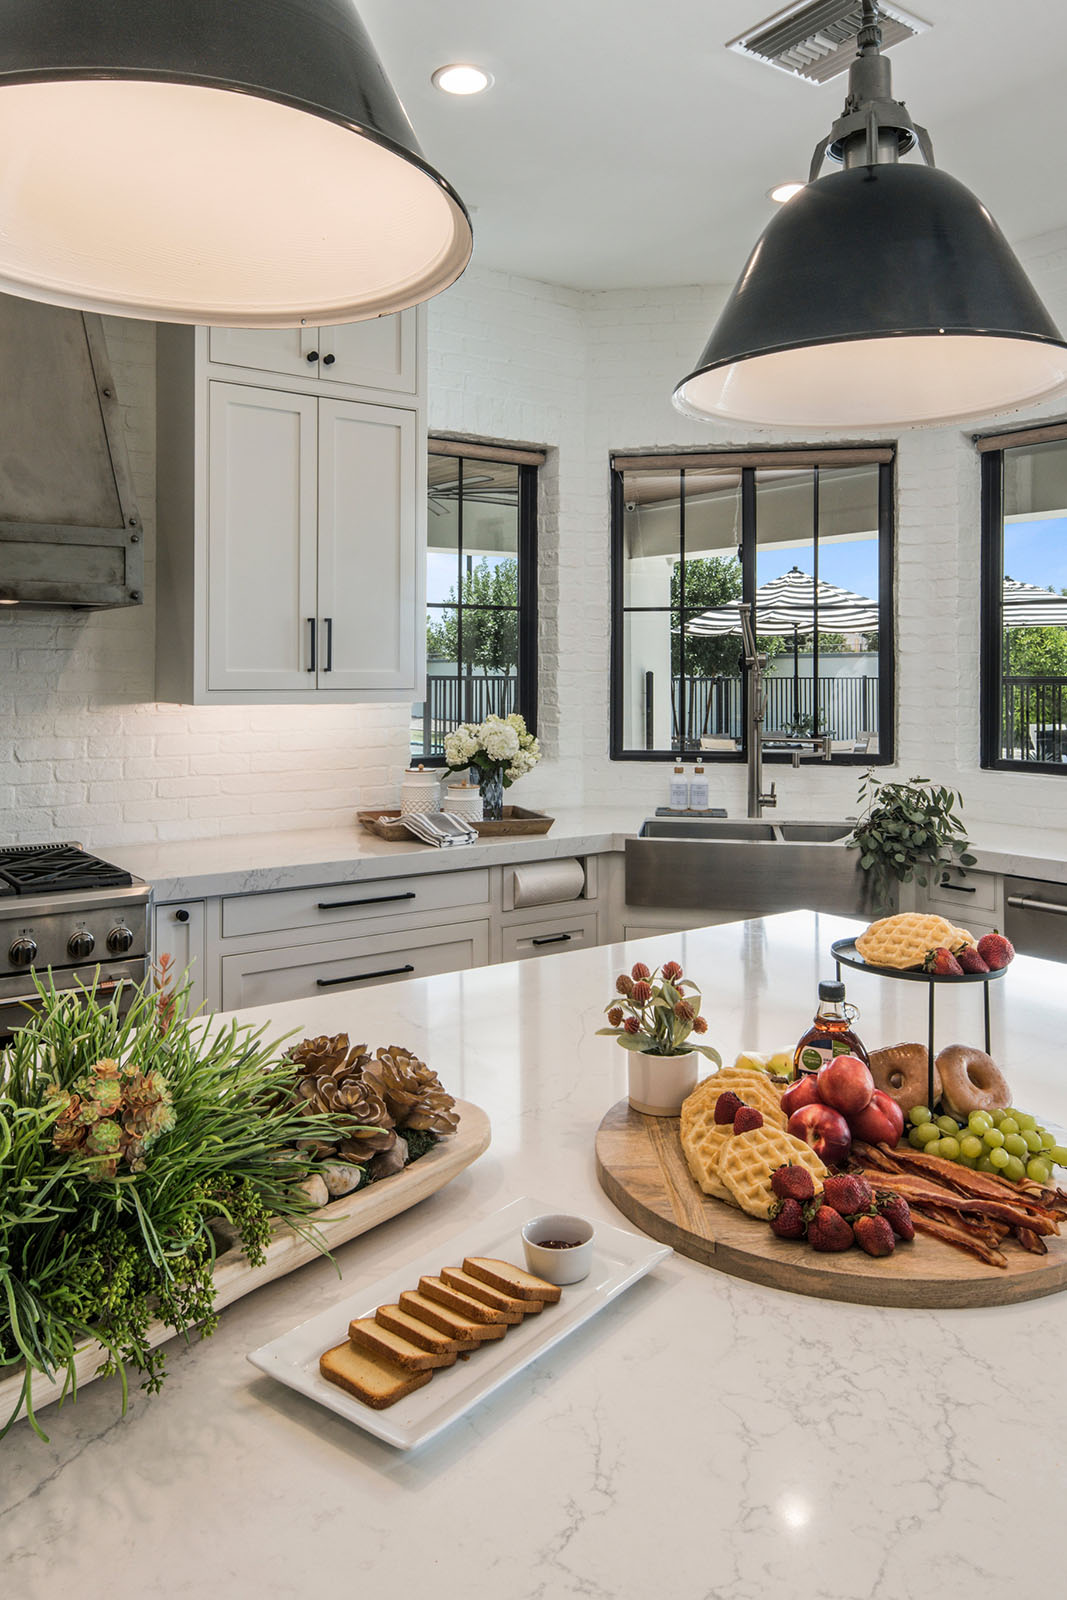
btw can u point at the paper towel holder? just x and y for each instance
(586, 867)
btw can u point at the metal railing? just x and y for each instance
(1033, 719)
(848, 707)
(460, 697)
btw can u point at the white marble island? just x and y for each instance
(702, 1438)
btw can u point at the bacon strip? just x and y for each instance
(920, 1191)
(961, 1238)
(1030, 1241)
(962, 1179)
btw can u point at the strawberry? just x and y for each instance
(847, 1193)
(874, 1235)
(787, 1219)
(827, 1230)
(894, 1208)
(969, 959)
(793, 1183)
(747, 1118)
(995, 950)
(727, 1106)
(942, 962)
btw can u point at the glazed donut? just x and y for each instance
(901, 1073)
(971, 1080)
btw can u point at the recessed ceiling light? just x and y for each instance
(462, 78)
(783, 192)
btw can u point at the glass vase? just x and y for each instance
(491, 789)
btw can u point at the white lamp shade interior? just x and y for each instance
(248, 212)
(883, 382)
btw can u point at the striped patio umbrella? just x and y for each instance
(789, 602)
(1027, 606)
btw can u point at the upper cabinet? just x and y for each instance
(381, 355)
(291, 523)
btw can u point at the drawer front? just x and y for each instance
(956, 898)
(339, 966)
(326, 906)
(549, 938)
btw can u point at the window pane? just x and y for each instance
(785, 596)
(848, 624)
(648, 687)
(713, 673)
(1033, 638)
(650, 537)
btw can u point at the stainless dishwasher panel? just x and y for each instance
(1035, 917)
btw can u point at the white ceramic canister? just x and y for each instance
(463, 800)
(420, 791)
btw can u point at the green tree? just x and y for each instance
(712, 581)
(490, 638)
(1035, 652)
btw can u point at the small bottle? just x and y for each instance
(698, 790)
(831, 1033)
(679, 800)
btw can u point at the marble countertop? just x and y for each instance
(702, 1437)
(250, 863)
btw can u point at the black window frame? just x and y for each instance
(992, 602)
(885, 754)
(526, 698)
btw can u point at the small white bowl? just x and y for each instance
(569, 1265)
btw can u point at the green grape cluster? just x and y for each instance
(1010, 1143)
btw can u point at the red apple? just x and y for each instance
(882, 1122)
(845, 1083)
(825, 1130)
(805, 1092)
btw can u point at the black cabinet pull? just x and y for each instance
(311, 624)
(362, 977)
(552, 938)
(372, 900)
(328, 361)
(181, 916)
(313, 355)
(329, 644)
(959, 888)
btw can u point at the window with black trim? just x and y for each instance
(809, 539)
(481, 591)
(1024, 603)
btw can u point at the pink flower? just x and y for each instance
(615, 1016)
(672, 971)
(641, 993)
(700, 1025)
(624, 984)
(631, 1025)
(639, 971)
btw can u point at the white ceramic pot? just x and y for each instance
(463, 800)
(659, 1084)
(420, 791)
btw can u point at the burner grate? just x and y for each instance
(33, 869)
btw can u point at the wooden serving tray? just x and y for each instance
(516, 820)
(643, 1171)
(336, 1223)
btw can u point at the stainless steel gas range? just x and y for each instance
(69, 914)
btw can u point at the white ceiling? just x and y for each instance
(624, 145)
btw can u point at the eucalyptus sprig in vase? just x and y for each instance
(653, 1016)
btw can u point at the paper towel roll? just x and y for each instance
(548, 883)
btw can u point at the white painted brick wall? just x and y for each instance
(86, 753)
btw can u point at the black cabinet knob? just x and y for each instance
(313, 355)
(328, 361)
(181, 916)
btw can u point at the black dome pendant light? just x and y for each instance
(241, 162)
(881, 295)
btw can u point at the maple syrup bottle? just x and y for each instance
(831, 1033)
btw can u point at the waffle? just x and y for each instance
(753, 1087)
(702, 1152)
(903, 941)
(747, 1160)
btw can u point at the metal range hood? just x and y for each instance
(70, 532)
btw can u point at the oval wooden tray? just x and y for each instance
(642, 1170)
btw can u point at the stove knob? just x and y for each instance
(80, 944)
(120, 940)
(22, 952)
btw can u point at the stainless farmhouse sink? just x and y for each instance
(748, 867)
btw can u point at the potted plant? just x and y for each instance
(497, 751)
(904, 831)
(652, 1017)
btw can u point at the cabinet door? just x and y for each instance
(370, 522)
(379, 354)
(179, 933)
(260, 578)
(267, 349)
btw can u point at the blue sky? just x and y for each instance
(851, 564)
(1036, 552)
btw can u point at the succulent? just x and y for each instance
(113, 1114)
(412, 1091)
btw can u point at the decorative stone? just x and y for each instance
(386, 1162)
(341, 1177)
(315, 1189)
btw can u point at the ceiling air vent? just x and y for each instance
(817, 39)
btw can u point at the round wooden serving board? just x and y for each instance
(643, 1171)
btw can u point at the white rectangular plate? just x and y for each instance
(619, 1259)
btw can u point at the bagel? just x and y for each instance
(971, 1080)
(901, 1072)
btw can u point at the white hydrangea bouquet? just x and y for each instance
(498, 750)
